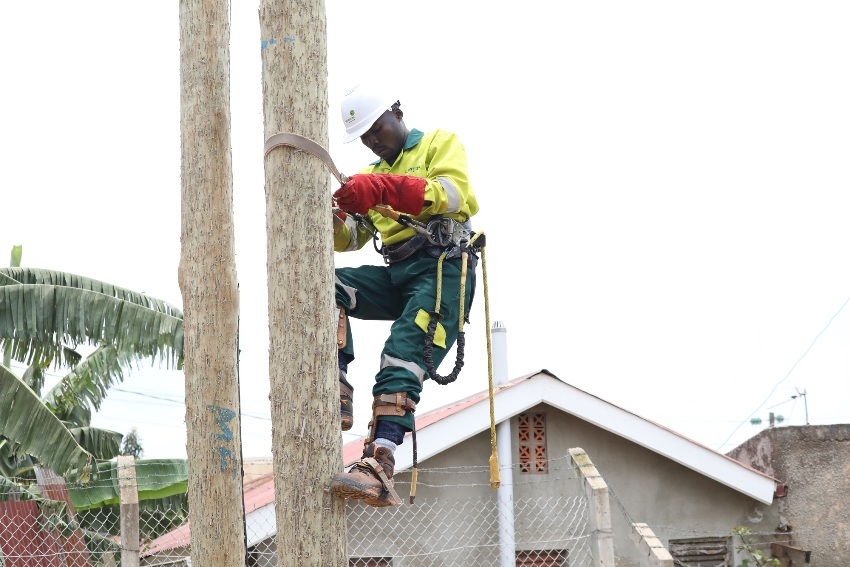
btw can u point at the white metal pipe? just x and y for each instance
(499, 340)
(505, 493)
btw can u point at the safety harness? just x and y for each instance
(443, 238)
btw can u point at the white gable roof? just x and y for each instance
(450, 425)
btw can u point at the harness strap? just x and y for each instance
(388, 404)
(305, 144)
(341, 329)
(428, 350)
(397, 405)
(393, 404)
(382, 476)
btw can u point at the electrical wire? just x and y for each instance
(831, 319)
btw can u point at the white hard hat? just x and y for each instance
(361, 106)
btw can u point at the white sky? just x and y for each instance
(664, 190)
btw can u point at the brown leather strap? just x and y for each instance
(306, 144)
(388, 404)
(393, 497)
(341, 334)
(392, 404)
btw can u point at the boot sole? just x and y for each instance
(356, 491)
(346, 488)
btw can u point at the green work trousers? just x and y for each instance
(399, 292)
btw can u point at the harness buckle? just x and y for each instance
(445, 231)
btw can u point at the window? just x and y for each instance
(532, 443)
(370, 562)
(549, 558)
(701, 552)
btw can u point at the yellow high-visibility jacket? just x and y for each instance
(440, 158)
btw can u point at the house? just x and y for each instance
(690, 495)
(813, 463)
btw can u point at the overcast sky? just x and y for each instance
(664, 186)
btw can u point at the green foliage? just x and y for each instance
(44, 316)
(42, 311)
(156, 517)
(131, 446)
(15, 260)
(155, 479)
(747, 546)
(51, 512)
(163, 498)
(10, 490)
(36, 430)
(87, 383)
(102, 443)
(102, 546)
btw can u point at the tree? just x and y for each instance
(207, 277)
(131, 446)
(45, 316)
(302, 347)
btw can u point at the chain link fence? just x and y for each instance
(457, 519)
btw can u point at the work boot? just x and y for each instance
(369, 479)
(346, 401)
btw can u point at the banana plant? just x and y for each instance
(45, 316)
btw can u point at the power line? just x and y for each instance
(117, 389)
(172, 400)
(183, 403)
(831, 319)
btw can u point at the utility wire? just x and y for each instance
(117, 389)
(181, 402)
(831, 319)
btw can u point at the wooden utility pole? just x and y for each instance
(306, 441)
(207, 278)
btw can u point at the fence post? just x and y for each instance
(655, 552)
(128, 494)
(600, 511)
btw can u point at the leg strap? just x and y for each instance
(392, 404)
(341, 328)
(388, 404)
(376, 467)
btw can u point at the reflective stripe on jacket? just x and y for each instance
(440, 158)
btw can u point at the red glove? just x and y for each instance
(404, 193)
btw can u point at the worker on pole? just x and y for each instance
(418, 198)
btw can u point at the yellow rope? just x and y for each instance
(464, 262)
(495, 478)
(463, 272)
(440, 281)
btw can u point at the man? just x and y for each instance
(424, 177)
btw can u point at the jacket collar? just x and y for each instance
(413, 138)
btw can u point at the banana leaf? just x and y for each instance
(86, 385)
(102, 443)
(156, 479)
(10, 490)
(17, 252)
(36, 431)
(41, 311)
